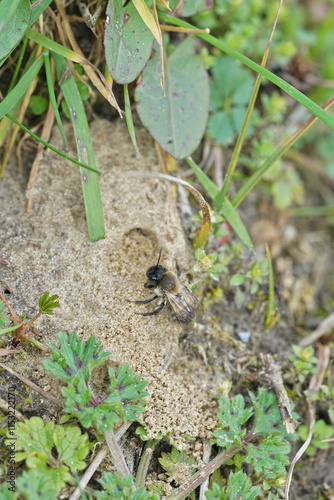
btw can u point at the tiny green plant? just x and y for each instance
(304, 364)
(229, 260)
(321, 433)
(231, 87)
(247, 433)
(73, 362)
(35, 442)
(46, 305)
(122, 488)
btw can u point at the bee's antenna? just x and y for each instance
(159, 256)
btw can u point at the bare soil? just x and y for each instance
(49, 250)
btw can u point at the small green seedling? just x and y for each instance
(73, 362)
(304, 364)
(247, 433)
(46, 304)
(321, 432)
(35, 442)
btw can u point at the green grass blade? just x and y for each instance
(90, 183)
(18, 64)
(54, 47)
(289, 89)
(271, 310)
(10, 329)
(207, 183)
(19, 90)
(14, 22)
(53, 98)
(128, 118)
(241, 137)
(320, 211)
(51, 147)
(257, 176)
(227, 210)
(5, 122)
(232, 217)
(38, 10)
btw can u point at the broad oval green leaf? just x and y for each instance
(14, 22)
(127, 41)
(176, 121)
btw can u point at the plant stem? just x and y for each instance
(271, 315)
(208, 469)
(116, 454)
(36, 343)
(145, 462)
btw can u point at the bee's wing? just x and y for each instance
(185, 305)
(192, 302)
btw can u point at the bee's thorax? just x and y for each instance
(170, 283)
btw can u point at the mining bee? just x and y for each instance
(183, 303)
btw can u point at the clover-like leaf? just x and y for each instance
(231, 87)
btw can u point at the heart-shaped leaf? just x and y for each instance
(177, 121)
(127, 41)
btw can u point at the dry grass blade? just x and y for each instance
(149, 19)
(88, 67)
(179, 29)
(6, 352)
(33, 386)
(317, 378)
(273, 373)
(325, 326)
(96, 462)
(251, 104)
(45, 135)
(24, 105)
(302, 450)
(162, 77)
(4, 407)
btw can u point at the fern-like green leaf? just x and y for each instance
(47, 303)
(238, 486)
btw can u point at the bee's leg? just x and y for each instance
(178, 269)
(149, 286)
(145, 301)
(156, 311)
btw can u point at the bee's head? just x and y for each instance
(154, 273)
